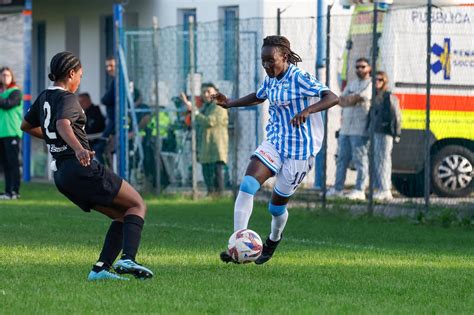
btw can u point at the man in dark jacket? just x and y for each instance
(95, 120)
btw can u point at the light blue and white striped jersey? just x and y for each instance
(289, 96)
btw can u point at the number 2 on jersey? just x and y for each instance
(47, 121)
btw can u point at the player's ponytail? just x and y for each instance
(283, 44)
(61, 64)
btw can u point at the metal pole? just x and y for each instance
(235, 115)
(328, 83)
(278, 21)
(193, 111)
(374, 93)
(427, 181)
(120, 136)
(27, 21)
(320, 74)
(157, 108)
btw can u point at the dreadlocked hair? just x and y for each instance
(283, 45)
(61, 64)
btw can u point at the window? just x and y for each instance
(39, 33)
(106, 47)
(230, 37)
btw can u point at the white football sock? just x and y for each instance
(278, 225)
(242, 210)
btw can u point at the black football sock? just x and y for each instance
(132, 231)
(112, 246)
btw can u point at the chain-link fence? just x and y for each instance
(160, 63)
(434, 153)
(225, 54)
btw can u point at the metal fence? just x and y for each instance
(435, 151)
(429, 62)
(226, 55)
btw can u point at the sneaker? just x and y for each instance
(268, 249)
(226, 257)
(356, 195)
(384, 195)
(333, 192)
(128, 266)
(104, 275)
(12, 196)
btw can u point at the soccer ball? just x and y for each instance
(245, 246)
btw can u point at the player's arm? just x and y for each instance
(328, 100)
(350, 100)
(34, 131)
(13, 100)
(63, 126)
(249, 100)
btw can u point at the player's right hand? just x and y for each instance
(221, 100)
(84, 156)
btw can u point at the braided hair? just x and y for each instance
(61, 64)
(283, 45)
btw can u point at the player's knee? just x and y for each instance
(276, 210)
(139, 208)
(250, 185)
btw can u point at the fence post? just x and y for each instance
(27, 21)
(157, 108)
(328, 84)
(427, 182)
(192, 71)
(320, 64)
(374, 93)
(121, 142)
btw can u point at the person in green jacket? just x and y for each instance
(11, 115)
(212, 122)
(212, 139)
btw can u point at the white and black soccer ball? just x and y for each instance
(245, 246)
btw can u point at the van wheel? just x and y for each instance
(409, 185)
(452, 171)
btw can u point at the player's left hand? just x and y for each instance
(300, 118)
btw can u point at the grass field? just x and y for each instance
(327, 263)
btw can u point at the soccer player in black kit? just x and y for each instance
(57, 117)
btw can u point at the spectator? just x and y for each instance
(11, 115)
(95, 120)
(213, 140)
(107, 141)
(353, 136)
(148, 130)
(386, 118)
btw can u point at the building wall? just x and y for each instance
(140, 13)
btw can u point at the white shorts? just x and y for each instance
(289, 173)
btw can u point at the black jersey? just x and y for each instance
(52, 105)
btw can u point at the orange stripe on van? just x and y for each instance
(438, 102)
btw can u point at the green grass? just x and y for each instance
(326, 264)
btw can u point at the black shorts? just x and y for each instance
(89, 186)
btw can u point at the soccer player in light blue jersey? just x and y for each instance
(294, 136)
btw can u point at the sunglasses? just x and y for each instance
(379, 79)
(360, 67)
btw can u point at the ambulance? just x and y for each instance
(402, 29)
